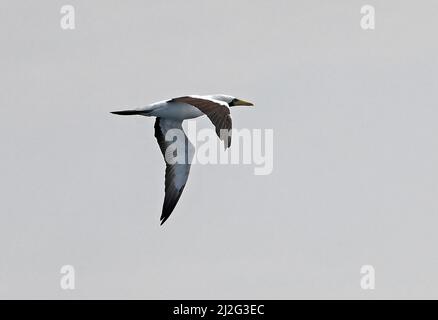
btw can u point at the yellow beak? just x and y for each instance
(238, 102)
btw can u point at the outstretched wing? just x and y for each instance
(217, 111)
(178, 154)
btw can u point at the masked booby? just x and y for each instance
(169, 115)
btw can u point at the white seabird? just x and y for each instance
(169, 115)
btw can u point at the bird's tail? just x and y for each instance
(127, 112)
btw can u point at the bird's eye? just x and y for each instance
(233, 102)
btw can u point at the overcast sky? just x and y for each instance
(354, 115)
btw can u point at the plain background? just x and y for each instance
(355, 175)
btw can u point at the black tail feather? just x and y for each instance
(126, 112)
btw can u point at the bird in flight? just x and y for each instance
(169, 115)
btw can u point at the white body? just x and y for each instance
(176, 110)
(172, 110)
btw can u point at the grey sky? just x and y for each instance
(355, 174)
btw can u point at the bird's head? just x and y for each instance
(232, 101)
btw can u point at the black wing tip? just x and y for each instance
(227, 141)
(166, 212)
(163, 219)
(169, 204)
(228, 145)
(165, 215)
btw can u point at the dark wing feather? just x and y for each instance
(218, 113)
(176, 173)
